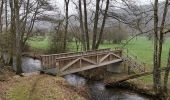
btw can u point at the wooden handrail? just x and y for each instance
(77, 52)
(84, 55)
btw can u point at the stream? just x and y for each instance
(98, 91)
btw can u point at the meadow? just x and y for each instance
(140, 47)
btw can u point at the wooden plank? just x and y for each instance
(90, 67)
(97, 60)
(69, 64)
(53, 59)
(103, 58)
(89, 61)
(116, 55)
(42, 62)
(46, 61)
(80, 63)
(83, 55)
(49, 61)
(77, 53)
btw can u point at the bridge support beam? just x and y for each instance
(115, 68)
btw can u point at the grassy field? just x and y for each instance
(39, 43)
(140, 47)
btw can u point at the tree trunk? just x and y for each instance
(156, 74)
(6, 15)
(160, 48)
(166, 75)
(66, 26)
(86, 26)
(18, 37)
(158, 42)
(1, 11)
(81, 26)
(103, 25)
(12, 31)
(96, 19)
(135, 76)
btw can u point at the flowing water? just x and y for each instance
(98, 91)
(29, 65)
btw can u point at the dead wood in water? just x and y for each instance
(133, 77)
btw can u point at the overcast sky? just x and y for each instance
(60, 4)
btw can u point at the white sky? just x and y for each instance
(60, 4)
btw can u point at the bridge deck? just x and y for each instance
(67, 63)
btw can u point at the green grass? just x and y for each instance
(140, 47)
(143, 49)
(39, 43)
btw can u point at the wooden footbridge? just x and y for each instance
(67, 63)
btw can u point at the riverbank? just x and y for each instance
(36, 87)
(142, 85)
(40, 87)
(136, 85)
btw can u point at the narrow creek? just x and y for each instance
(98, 91)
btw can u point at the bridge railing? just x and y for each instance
(75, 53)
(49, 61)
(134, 64)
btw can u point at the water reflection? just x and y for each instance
(29, 65)
(74, 80)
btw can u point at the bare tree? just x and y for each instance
(18, 36)
(66, 26)
(96, 19)
(1, 11)
(165, 85)
(158, 42)
(86, 25)
(22, 23)
(103, 25)
(6, 15)
(82, 25)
